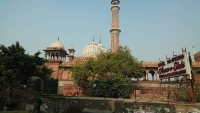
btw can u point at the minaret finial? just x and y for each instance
(115, 2)
(194, 52)
(100, 40)
(93, 39)
(58, 38)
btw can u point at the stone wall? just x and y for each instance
(64, 105)
(155, 108)
(61, 104)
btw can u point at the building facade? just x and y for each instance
(61, 60)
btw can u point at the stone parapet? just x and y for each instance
(55, 48)
(144, 64)
(196, 64)
(150, 64)
(83, 58)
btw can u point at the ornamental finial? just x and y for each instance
(115, 2)
(100, 40)
(193, 47)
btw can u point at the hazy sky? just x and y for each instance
(152, 29)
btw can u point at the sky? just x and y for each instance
(151, 29)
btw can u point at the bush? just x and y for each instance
(113, 86)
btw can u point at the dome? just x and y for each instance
(102, 49)
(93, 49)
(57, 44)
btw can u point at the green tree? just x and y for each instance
(114, 86)
(81, 72)
(98, 87)
(120, 63)
(118, 86)
(197, 91)
(16, 67)
(197, 71)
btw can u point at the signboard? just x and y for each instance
(178, 65)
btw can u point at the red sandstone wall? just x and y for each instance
(55, 68)
(197, 57)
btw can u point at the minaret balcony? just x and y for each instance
(115, 6)
(115, 29)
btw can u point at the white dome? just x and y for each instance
(93, 49)
(57, 44)
(102, 49)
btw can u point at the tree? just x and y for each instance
(118, 86)
(197, 91)
(197, 71)
(82, 72)
(121, 63)
(98, 87)
(114, 86)
(16, 67)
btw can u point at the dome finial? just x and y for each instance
(115, 2)
(100, 40)
(58, 38)
(93, 40)
(71, 47)
(193, 47)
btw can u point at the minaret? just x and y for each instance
(193, 47)
(115, 25)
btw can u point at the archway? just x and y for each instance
(152, 74)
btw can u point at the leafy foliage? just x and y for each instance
(114, 86)
(82, 71)
(120, 62)
(197, 71)
(118, 86)
(197, 91)
(99, 86)
(16, 67)
(120, 65)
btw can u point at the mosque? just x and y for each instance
(61, 60)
